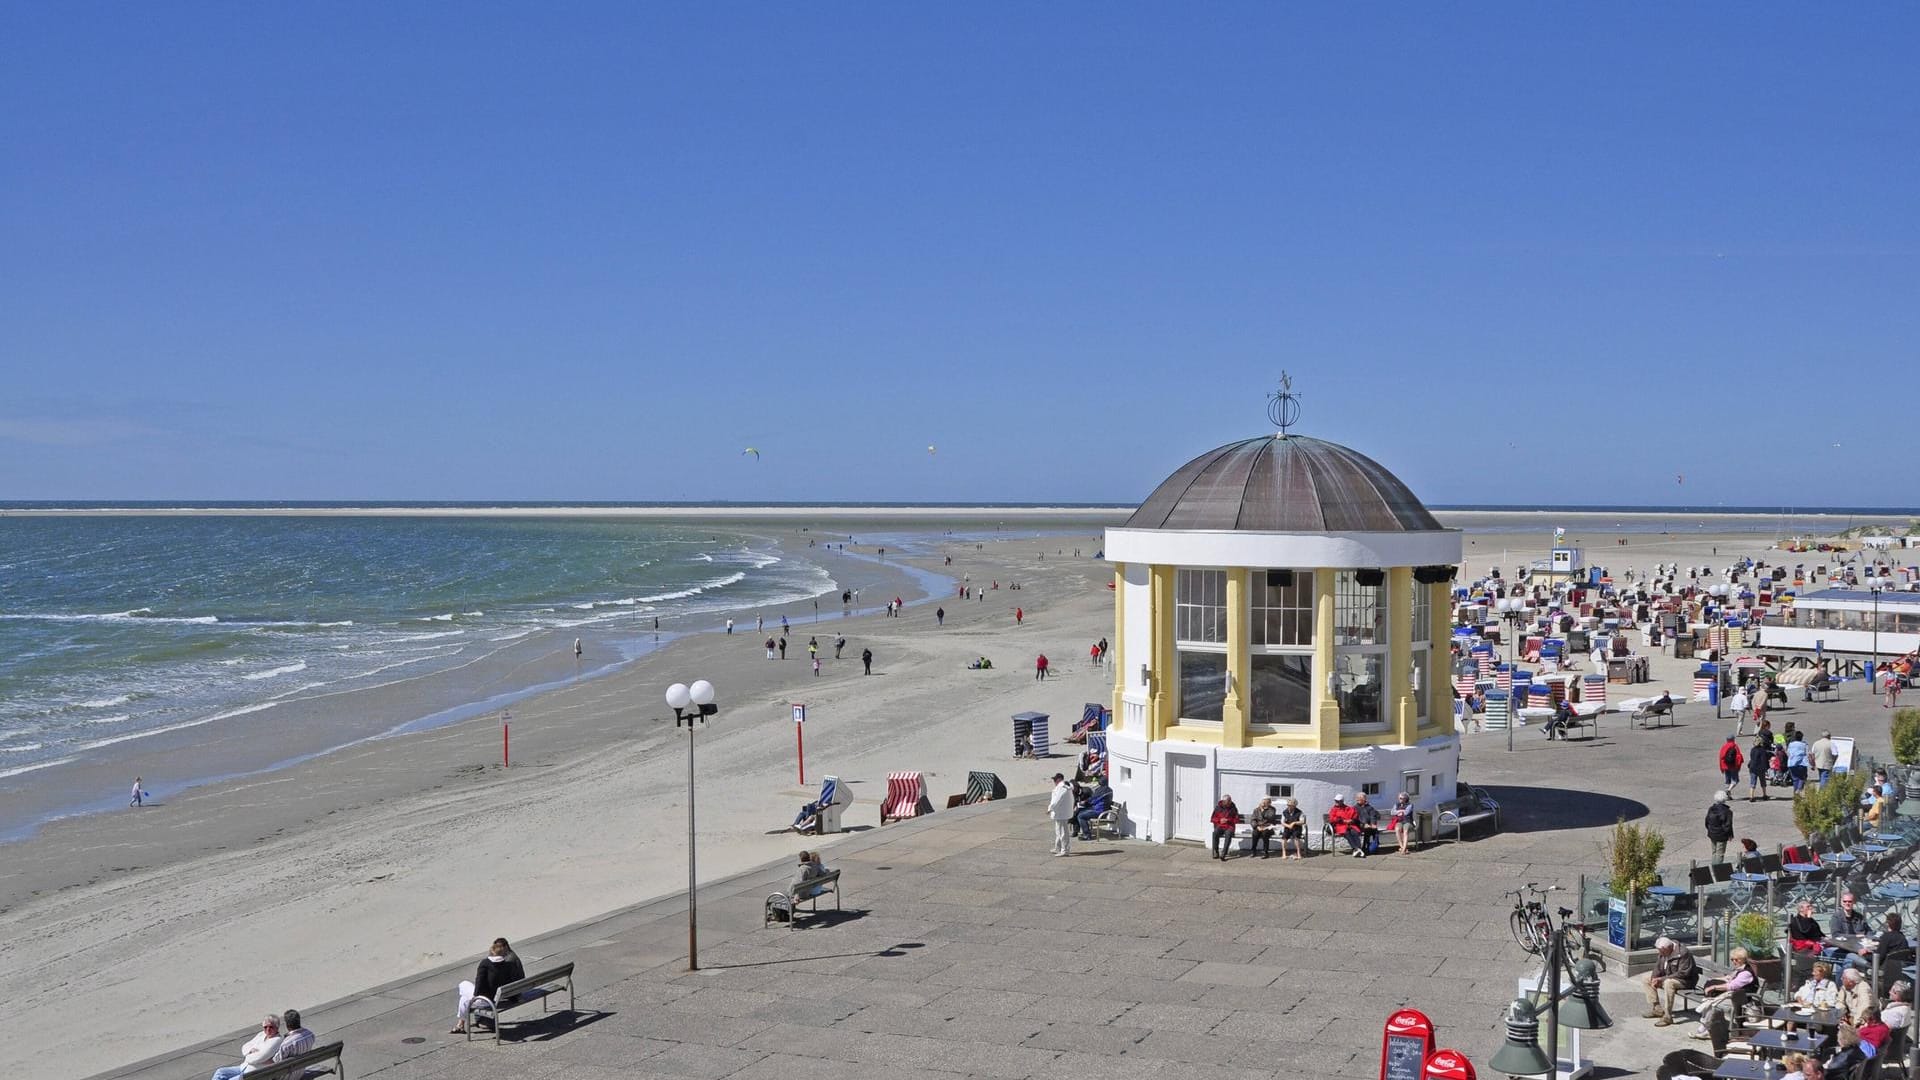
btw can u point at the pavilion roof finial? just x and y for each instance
(1283, 406)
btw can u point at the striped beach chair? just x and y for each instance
(1464, 684)
(905, 792)
(834, 798)
(1093, 762)
(1030, 735)
(1093, 717)
(1594, 688)
(1540, 696)
(1483, 658)
(984, 787)
(1702, 685)
(1496, 718)
(1503, 678)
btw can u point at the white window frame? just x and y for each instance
(1313, 582)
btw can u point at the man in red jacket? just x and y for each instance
(1730, 760)
(1341, 818)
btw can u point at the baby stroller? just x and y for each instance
(1777, 774)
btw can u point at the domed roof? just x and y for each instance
(1287, 484)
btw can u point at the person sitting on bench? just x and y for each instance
(500, 967)
(1819, 684)
(1562, 716)
(808, 868)
(1098, 799)
(256, 1052)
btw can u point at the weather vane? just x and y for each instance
(1283, 406)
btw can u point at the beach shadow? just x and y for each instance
(550, 1026)
(1539, 809)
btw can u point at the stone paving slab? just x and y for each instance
(965, 950)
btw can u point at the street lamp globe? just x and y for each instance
(679, 697)
(701, 692)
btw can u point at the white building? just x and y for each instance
(1281, 624)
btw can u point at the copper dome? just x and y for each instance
(1286, 484)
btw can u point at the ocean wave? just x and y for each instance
(143, 615)
(516, 636)
(693, 590)
(104, 703)
(448, 617)
(150, 732)
(423, 637)
(114, 719)
(23, 748)
(4, 773)
(703, 556)
(298, 665)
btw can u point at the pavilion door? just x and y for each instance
(1190, 800)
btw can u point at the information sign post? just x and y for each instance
(800, 744)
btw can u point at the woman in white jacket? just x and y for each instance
(256, 1051)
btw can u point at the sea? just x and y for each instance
(116, 628)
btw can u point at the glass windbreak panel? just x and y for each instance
(1282, 689)
(1200, 606)
(1203, 685)
(1359, 611)
(1360, 686)
(1282, 608)
(1422, 664)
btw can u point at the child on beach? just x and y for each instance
(816, 667)
(139, 795)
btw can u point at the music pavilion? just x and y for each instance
(1281, 616)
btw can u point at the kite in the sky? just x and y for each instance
(751, 450)
(1679, 478)
(930, 450)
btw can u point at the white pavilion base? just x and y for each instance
(1167, 789)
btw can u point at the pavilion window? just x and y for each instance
(1280, 671)
(1200, 640)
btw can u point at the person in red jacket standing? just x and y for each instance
(1226, 818)
(1730, 759)
(1040, 666)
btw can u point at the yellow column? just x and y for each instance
(1233, 716)
(1326, 709)
(1117, 656)
(1439, 689)
(1402, 714)
(1160, 702)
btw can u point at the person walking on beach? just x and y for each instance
(1040, 667)
(838, 644)
(729, 627)
(1093, 655)
(813, 648)
(783, 646)
(576, 648)
(1060, 809)
(1019, 616)
(139, 794)
(769, 648)
(940, 616)
(1730, 759)
(783, 624)
(866, 661)
(816, 667)
(758, 624)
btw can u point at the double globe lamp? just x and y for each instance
(1521, 1055)
(691, 704)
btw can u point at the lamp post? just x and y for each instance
(1521, 1054)
(691, 706)
(1511, 610)
(1876, 632)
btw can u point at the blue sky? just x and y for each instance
(1518, 253)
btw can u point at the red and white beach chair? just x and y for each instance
(905, 792)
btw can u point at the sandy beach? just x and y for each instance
(298, 885)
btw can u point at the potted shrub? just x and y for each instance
(1754, 932)
(1633, 867)
(1906, 736)
(1819, 811)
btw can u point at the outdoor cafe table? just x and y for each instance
(1773, 1043)
(1898, 890)
(1751, 881)
(1817, 1020)
(1749, 1069)
(1667, 894)
(1886, 837)
(1800, 867)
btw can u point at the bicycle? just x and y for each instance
(1586, 950)
(1531, 925)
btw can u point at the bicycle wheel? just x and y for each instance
(1522, 927)
(1543, 929)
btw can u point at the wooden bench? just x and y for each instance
(300, 1065)
(1652, 714)
(811, 890)
(535, 987)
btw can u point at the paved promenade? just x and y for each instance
(967, 950)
